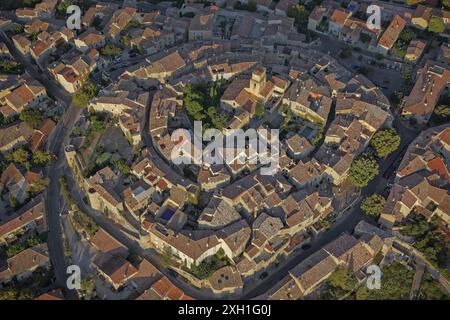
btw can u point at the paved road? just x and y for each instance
(55, 239)
(56, 246)
(54, 203)
(378, 76)
(346, 224)
(415, 287)
(131, 244)
(52, 88)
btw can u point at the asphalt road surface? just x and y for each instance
(347, 224)
(55, 237)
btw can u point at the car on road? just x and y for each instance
(306, 246)
(263, 275)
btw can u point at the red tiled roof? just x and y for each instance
(391, 34)
(34, 213)
(438, 166)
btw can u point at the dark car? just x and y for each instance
(306, 246)
(263, 275)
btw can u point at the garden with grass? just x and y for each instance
(202, 102)
(430, 289)
(29, 288)
(396, 281)
(430, 240)
(208, 266)
(339, 285)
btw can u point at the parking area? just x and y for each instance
(385, 73)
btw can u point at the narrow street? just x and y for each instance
(415, 287)
(55, 237)
(132, 244)
(346, 224)
(58, 168)
(51, 87)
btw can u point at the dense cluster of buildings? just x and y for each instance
(421, 182)
(228, 217)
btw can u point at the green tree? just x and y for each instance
(87, 92)
(110, 50)
(339, 284)
(385, 142)
(436, 24)
(14, 249)
(396, 283)
(406, 36)
(430, 289)
(32, 117)
(33, 241)
(221, 254)
(417, 226)
(345, 53)
(342, 278)
(10, 67)
(98, 126)
(8, 294)
(194, 110)
(196, 97)
(396, 98)
(362, 171)
(18, 29)
(252, 6)
(218, 120)
(365, 38)
(63, 5)
(41, 158)
(80, 99)
(299, 13)
(318, 137)
(12, 201)
(407, 75)
(205, 268)
(373, 205)
(87, 286)
(167, 258)
(122, 166)
(90, 89)
(19, 156)
(37, 187)
(126, 41)
(446, 4)
(133, 24)
(413, 2)
(442, 111)
(399, 52)
(260, 110)
(16, 294)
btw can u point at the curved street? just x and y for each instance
(53, 171)
(58, 167)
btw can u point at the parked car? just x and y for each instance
(306, 246)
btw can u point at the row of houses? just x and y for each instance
(421, 182)
(347, 251)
